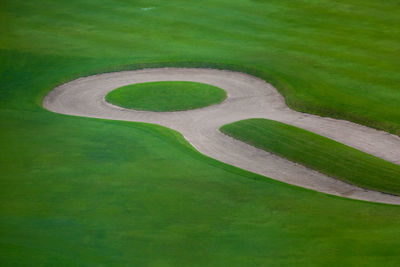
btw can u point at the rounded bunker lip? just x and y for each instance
(247, 97)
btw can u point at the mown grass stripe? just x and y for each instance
(319, 153)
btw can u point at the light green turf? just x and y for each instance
(166, 96)
(319, 153)
(79, 191)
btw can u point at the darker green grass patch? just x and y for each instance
(319, 153)
(166, 96)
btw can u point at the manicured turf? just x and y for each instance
(166, 96)
(319, 153)
(79, 191)
(335, 58)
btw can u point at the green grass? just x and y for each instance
(319, 153)
(333, 58)
(166, 96)
(79, 191)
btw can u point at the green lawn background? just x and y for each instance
(78, 191)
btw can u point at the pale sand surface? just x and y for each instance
(248, 97)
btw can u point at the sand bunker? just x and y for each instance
(248, 97)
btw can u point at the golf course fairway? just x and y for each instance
(78, 191)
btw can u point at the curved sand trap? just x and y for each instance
(248, 97)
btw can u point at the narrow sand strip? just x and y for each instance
(248, 97)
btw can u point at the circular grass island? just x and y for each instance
(166, 96)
